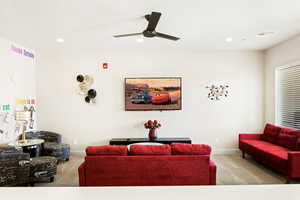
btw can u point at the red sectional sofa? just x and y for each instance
(147, 165)
(277, 147)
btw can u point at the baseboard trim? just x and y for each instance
(225, 151)
(78, 153)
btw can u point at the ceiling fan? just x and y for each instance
(150, 30)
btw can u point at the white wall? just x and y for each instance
(282, 54)
(17, 82)
(61, 109)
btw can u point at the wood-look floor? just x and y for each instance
(231, 170)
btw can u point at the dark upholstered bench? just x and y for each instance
(42, 169)
(52, 145)
(60, 151)
(14, 166)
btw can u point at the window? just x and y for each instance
(288, 96)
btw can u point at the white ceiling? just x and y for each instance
(201, 24)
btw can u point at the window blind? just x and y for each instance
(288, 97)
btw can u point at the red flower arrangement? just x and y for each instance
(152, 124)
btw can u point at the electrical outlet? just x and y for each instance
(74, 141)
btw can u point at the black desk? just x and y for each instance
(127, 141)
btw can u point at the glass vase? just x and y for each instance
(152, 134)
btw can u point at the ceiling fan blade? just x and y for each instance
(153, 20)
(170, 37)
(126, 35)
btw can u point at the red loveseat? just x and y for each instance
(277, 147)
(147, 165)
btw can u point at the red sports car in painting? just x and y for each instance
(162, 98)
(166, 97)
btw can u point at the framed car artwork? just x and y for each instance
(163, 93)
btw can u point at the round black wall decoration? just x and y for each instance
(87, 99)
(92, 93)
(80, 78)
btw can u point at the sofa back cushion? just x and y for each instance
(136, 150)
(298, 144)
(190, 149)
(290, 131)
(293, 132)
(270, 133)
(288, 141)
(107, 150)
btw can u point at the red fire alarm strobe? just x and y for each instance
(105, 65)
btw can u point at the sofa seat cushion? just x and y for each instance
(190, 149)
(277, 159)
(107, 150)
(263, 145)
(150, 150)
(283, 155)
(270, 154)
(287, 140)
(270, 133)
(256, 148)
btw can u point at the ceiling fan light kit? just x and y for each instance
(150, 31)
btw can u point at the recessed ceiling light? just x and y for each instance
(140, 40)
(229, 39)
(265, 34)
(60, 40)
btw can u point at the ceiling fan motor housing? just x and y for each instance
(147, 17)
(149, 33)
